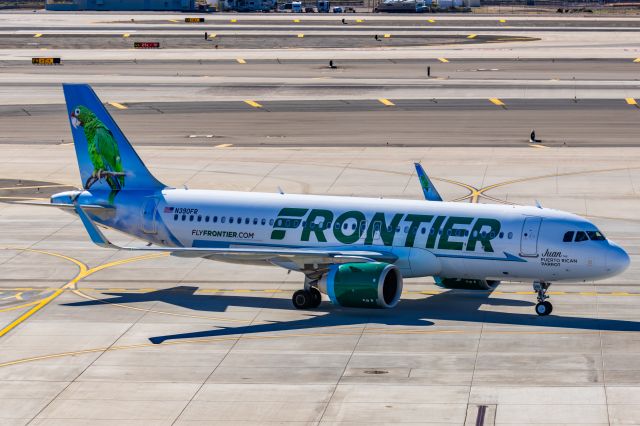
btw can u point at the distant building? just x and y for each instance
(169, 5)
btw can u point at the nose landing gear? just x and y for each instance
(544, 307)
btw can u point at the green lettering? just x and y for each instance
(449, 230)
(287, 212)
(386, 232)
(317, 227)
(484, 237)
(416, 220)
(433, 232)
(338, 231)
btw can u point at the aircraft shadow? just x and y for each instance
(450, 305)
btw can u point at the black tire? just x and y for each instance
(316, 297)
(542, 309)
(549, 307)
(301, 299)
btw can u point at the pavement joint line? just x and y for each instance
(443, 60)
(117, 105)
(386, 102)
(308, 334)
(253, 103)
(58, 185)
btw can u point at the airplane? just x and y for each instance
(355, 250)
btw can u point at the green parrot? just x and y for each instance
(103, 149)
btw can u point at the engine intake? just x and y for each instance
(363, 285)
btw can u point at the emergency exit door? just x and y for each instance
(529, 236)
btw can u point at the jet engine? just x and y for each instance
(363, 285)
(466, 283)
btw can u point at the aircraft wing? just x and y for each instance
(429, 190)
(289, 258)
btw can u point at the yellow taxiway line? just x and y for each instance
(497, 102)
(241, 61)
(631, 101)
(386, 102)
(472, 36)
(443, 60)
(117, 105)
(253, 103)
(37, 35)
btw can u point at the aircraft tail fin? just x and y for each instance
(428, 189)
(105, 157)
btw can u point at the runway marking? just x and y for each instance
(443, 60)
(253, 103)
(117, 105)
(386, 102)
(472, 36)
(241, 61)
(387, 36)
(37, 35)
(497, 102)
(631, 101)
(300, 35)
(223, 145)
(126, 35)
(44, 302)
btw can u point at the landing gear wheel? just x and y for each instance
(302, 299)
(543, 308)
(316, 297)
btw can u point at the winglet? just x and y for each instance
(430, 192)
(95, 234)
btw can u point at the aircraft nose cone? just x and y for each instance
(617, 259)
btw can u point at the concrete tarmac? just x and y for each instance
(236, 352)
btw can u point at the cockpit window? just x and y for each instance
(581, 236)
(596, 236)
(568, 237)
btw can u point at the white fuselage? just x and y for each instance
(451, 240)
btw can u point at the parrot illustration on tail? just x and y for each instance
(103, 150)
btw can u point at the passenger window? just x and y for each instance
(231, 220)
(175, 217)
(353, 226)
(184, 217)
(423, 230)
(215, 219)
(510, 235)
(255, 220)
(596, 236)
(240, 220)
(271, 222)
(246, 220)
(568, 237)
(264, 221)
(222, 219)
(206, 218)
(191, 218)
(199, 218)
(501, 235)
(581, 236)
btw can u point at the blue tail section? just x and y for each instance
(429, 191)
(106, 158)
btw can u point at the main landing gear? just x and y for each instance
(543, 307)
(308, 298)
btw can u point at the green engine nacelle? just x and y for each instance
(466, 283)
(363, 285)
